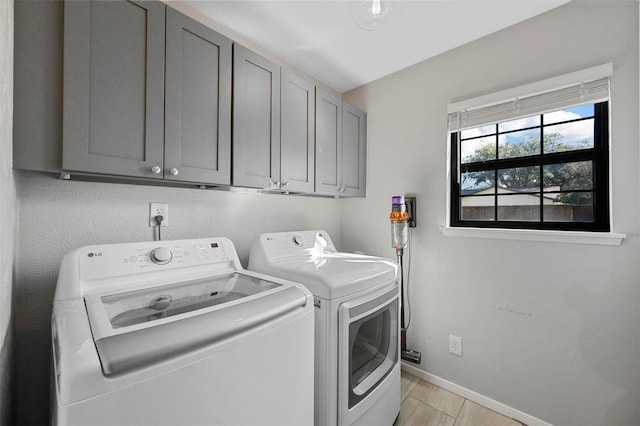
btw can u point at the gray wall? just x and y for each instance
(550, 329)
(8, 206)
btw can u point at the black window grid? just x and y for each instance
(598, 155)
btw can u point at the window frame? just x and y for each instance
(599, 154)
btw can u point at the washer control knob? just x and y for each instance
(161, 255)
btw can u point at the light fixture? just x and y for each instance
(373, 15)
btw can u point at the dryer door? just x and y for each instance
(368, 347)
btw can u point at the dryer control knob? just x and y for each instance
(161, 255)
(298, 240)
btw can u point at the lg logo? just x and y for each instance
(94, 254)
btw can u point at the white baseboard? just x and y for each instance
(492, 404)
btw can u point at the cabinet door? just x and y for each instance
(297, 106)
(256, 120)
(198, 102)
(37, 85)
(354, 150)
(328, 143)
(113, 98)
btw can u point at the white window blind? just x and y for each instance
(583, 87)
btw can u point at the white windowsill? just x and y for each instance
(574, 237)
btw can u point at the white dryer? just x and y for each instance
(357, 369)
(177, 333)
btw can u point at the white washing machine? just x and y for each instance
(177, 333)
(357, 369)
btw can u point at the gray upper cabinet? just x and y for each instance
(123, 116)
(37, 85)
(113, 103)
(256, 120)
(328, 143)
(297, 107)
(340, 147)
(354, 151)
(273, 121)
(134, 89)
(198, 102)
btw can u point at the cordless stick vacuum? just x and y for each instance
(399, 239)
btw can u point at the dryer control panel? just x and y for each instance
(291, 242)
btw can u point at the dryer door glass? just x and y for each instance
(370, 346)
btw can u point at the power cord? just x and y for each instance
(159, 220)
(407, 280)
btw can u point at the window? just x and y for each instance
(522, 164)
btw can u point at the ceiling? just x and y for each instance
(320, 38)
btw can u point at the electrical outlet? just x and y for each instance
(455, 345)
(161, 209)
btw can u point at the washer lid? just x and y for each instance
(152, 304)
(136, 328)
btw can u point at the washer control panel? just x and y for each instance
(112, 260)
(161, 255)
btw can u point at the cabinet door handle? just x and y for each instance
(174, 171)
(285, 184)
(156, 170)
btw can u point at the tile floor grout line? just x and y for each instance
(467, 406)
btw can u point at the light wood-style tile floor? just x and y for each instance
(425, 404)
